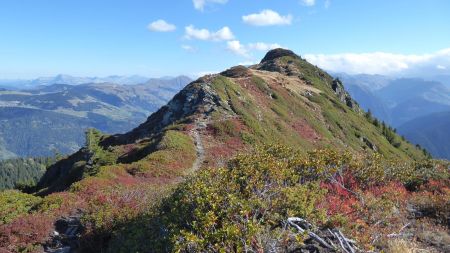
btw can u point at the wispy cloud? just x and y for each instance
(308, 2)
(201, 4)
(204, 34)
(383, 63)
(327, 4)
(261, 46)
(267, 18)
(238, 48)
(189, 48)
(161, 26)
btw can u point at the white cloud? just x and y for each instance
(203, 34)
(188, 48)
(223, 34)
(261, 46)
(161, 26)
(383, 63)
(200, 4)
(266, 18)
(327, 4)
(309, 2)
(238, 48)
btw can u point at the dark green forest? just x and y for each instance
(22, 173)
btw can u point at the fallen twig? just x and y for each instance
(317, 238)
(346, 245)
(399, 232)
(346, 242)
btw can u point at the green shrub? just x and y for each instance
(14, 204)
(233, 209)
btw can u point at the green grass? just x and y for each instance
(174, 155)
(336, 123)
(266, 125)
(176, 140)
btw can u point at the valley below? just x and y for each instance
(416, 107)
(52, 119)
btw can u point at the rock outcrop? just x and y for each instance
(196, 98)
(342, 94)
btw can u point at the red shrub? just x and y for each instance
(436, 187)
(26, 232)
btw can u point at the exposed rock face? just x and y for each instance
(197, 98)
(342, 94)
(369, 144)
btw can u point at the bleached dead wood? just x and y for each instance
(292, 221)
(341, 243)
(346, 241)
(346, 245)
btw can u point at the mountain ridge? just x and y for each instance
(282, 99)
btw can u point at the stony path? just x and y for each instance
(198, 145)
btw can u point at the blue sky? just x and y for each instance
(112, 37)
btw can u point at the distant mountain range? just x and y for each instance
(406, 102)
(73, 80)
(431, 131)
(53, 117)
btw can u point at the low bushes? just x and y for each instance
(244, 206)
(14, 204)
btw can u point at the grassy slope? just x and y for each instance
(165, 155)
(270, 112)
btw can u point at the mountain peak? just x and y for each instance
(278, 53)
(283, 61)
